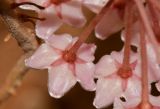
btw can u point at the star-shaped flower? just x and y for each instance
(133, 101)
(113, 80)
(64, 70)
(55, 13)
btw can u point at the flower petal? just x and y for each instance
(135, 34)
(61, 42)
(61, 80)
(95, 5)
(132, 93)
(72, 13)
(51, 23)
(106, 66)
(118, 104)
(86, 52)
(85, 75)
(155, 100)
(43, 57)
(43, 3)
(118, 56)
(106, 91)
(110, 24)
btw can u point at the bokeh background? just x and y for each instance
(33, 92)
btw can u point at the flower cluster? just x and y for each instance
(129, 78)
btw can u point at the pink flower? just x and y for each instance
(133, 102)
(113, 81)
(112, 21)
(95, 5)
(153, 66)
(56, 12)
(63, 70)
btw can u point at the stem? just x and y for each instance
(128, 24)
(156, 4)
(148, 27)
(88, 30)
(144, 70)
(155, 19)
(26, 40)
(125, 71)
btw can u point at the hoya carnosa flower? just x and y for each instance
(112, 21)
(64, 70)
(113, 80)
(153, 65)
(56, 13)
(133, 101)
(95, 5)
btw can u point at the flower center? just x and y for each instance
(69, 57)
(145, 106)
(125, 73)
(57, 2)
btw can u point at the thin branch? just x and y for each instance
(26, 39)
(13, 79)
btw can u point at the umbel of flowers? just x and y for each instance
(126, 78)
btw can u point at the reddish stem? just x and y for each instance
(88, 30)
(125, 71)
(144, 69)
(148, 27)
(129, 21)
(156, 4)
(155, 19)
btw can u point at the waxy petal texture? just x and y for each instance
(63, 72)
(86, 52)
(60, 42)
(68, 11)
(110, 24)
(106, 91)
(42, 58)
(60, 80)
(72, 14)
(105, 67)
(95, 5)
(48, 26)
(31, 7)
(132, 94)
(82, 70)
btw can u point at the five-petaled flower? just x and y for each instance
(113, 80)
(133, 101)
(130, 102)
(55, 13)
(65, 70)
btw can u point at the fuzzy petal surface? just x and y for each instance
(51, 23)
(105, 67)
(61, 42)
(110, 24)
(86, 52)
(31, 7)
(43, 57)
(132, 93)
(60, 80)
(106, 91)
(95, 5)
(72, 13)
(85, 75)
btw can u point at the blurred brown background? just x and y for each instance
(33, 93)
